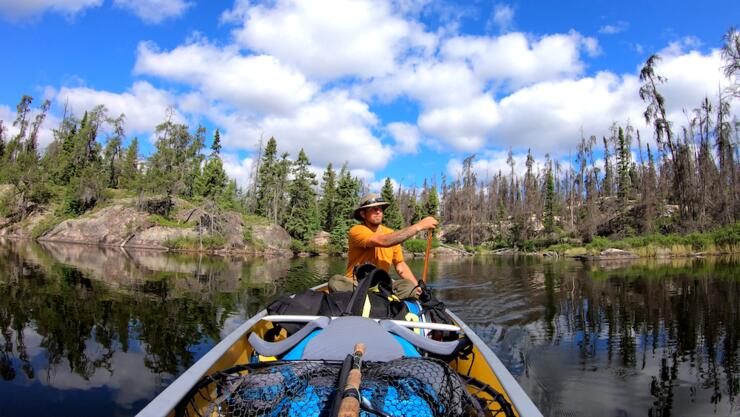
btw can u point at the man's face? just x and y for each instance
(373, 215)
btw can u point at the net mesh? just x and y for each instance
(404, 387)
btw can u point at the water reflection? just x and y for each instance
(113, 326)
(649, 337)
(86, 330)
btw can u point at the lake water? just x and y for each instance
(86, 331)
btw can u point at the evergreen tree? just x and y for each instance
(624, 168)
(302, 221)
(130, 166)
(212, 182)
(431, 206)
(607, 185)
(267, 179)
(113, 152)
(348, 189)
(548, 216)
(216, 145)
(327, 213)
(173, 167)
(392, 216)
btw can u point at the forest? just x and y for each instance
(630, 183)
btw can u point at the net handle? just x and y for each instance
(350, 406)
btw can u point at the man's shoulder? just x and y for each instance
(359, 228)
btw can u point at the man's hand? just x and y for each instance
(428, 222)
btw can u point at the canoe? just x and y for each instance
(232, 375)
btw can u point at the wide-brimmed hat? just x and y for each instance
(369, 200)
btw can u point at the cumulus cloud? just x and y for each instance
(240, 169)
(329, 39)
(154, 11)
(257, 83)
(517, 60)
(406, 135)
(464, 127)
(18, 9)
(332, 128)
(143, 105)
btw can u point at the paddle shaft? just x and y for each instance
(350, 406)
(426, 257)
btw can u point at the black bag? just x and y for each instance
(374, 286)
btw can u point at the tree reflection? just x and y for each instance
(83, 322)
(685, 317)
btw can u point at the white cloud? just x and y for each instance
(240, 169)
(144, 105)
(503, 16)
(330, 39)
(615, 28)
(259, 84)
(464, 127)
(332, 128)
(517, 60)
(434, 84)
(154, 11)
(406, 135)
(549, 116)
(18, 9)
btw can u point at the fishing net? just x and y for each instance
(415, 387)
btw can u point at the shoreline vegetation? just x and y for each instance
(666, 191)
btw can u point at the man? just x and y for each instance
(379, 245)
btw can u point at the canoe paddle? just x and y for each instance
(426, 257)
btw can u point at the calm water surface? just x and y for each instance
(89, 331)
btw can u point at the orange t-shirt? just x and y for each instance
(359, 253)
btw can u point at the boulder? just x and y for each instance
(321, 241)
(108, 226)
(272, 238)
(156, 237)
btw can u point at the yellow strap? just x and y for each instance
(366, 307)
(413, 317)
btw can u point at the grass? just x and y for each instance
(419, 245)
(210, 242)
(725, 239)
(165, 222)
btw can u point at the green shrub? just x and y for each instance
(210, 242)
(166, 222)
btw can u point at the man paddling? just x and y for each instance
(371, 242)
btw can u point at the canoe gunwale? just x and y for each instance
(168, 399)
(521, 401)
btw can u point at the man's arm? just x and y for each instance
(392, 239)
(404, 272)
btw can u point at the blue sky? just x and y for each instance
(399, 88)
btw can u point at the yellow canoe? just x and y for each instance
(195, 394)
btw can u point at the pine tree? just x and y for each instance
(327, 213)
(623, 167)
(213, 180)
(267, 179)
(348, 189)
(216, 145)
(130, 166)
(113, 152)
(548, 216)
(302, 221)
(392, 216)
(431, 205)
